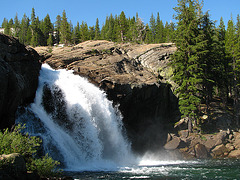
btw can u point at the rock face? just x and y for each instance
(129, 74)
(19, 70)
(13, 165)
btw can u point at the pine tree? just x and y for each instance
(116, 29)
(230, 41)
(236, 71)
(24, 35)
(123, 27)
(148, 35)
(97, 30)
(84, 32)
(65, 35)
(6, 28)
(110, 34)
(152, 26)
(207, 58)
(47, 29)
(4, 23)
(160, 36)
(91, 32)
(232, 54)
(223, 66)
(50, 40)
(57, 28)
(16, 26)
(76, 34)
(187, 70)
(104, 29)
(139, 30)
(33, 28)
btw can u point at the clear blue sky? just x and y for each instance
(89, 10)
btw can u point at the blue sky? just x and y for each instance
(89, 10)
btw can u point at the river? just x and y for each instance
(184, 170)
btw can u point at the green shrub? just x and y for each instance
(27, 146)
(16, 142)
(46, 166)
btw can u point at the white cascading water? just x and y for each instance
(84, 130)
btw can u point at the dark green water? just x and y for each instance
(207, 169)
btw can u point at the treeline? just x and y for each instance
(207, 62)
(35, 32)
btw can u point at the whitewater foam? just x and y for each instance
(82, 128)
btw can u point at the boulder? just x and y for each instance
(172, 144)
(230, 147)
(220, 138)
(210, 143)
(234, 154)
(201, 151)
(14, 166)
(236, 143)
(183, 133)
(236, 135)
(219, 150)
(19, 70)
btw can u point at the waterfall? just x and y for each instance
(78, 124)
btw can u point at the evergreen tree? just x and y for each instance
(230, 41)
(159, 37)
(223, 66)
(65, 35)
(47, 29)
(110, 34)
(6, 28)
(4, 23)
(104, 29)
(16, 27)
(131, 34)
(10, 26)
(153, 27)
(24, 35)
(232, 54)
(187, 70)
(91, 33)
(84, 32)
(207, 61)
(50, 40)
(37, 35)
(116, 30)
(57, 28)
(76, 34)
(139, 30)
(236, 71)
(148, 35)
(123, 27)
(97, 30)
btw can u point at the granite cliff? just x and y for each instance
(19, 70)
(133, 76)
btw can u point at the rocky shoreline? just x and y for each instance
(221, 145)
